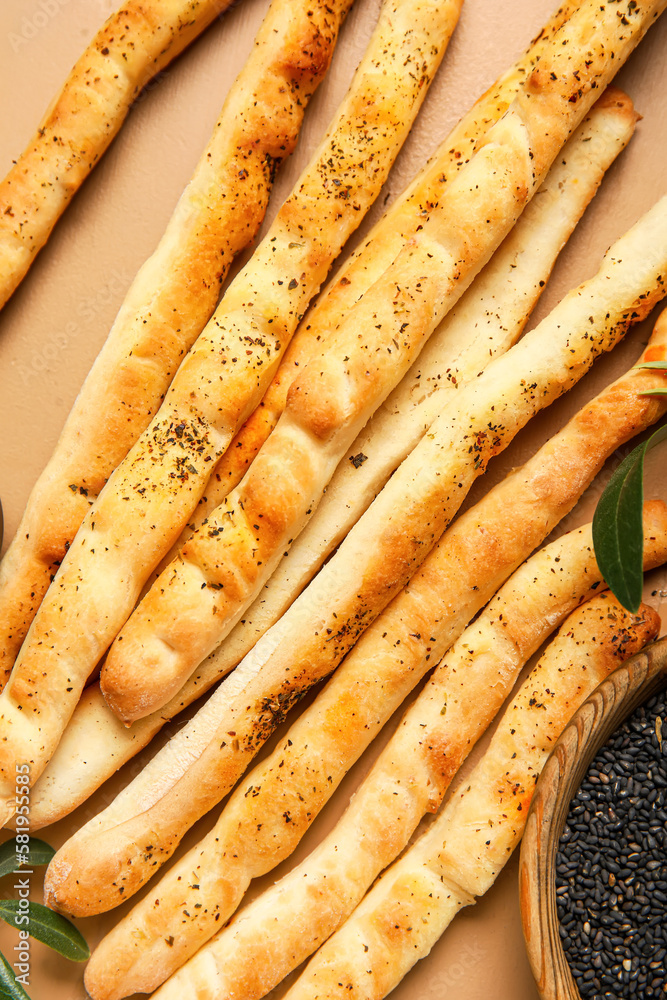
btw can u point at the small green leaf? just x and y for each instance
(660, 365)
(9, 988)
(618, 535)
(49, 928)
(12, 855)
(654, 392)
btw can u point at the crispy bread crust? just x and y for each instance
(150, 496)
(201, 594)
(496, 307)
(135, 43)
(377, 556)
(367, 263)
(169, 302)
(266, 816)
(202, 763)
(193, 772)
(466, 847)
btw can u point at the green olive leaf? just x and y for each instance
(49, 928)
(656, 366)
(13, 855)
(9, 988)
(618, 535)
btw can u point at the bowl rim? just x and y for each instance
(615, 698)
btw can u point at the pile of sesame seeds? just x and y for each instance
(611, 866)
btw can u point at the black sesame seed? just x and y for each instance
(611, 868)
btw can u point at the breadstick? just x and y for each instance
(266, 816)
(461, 855)
(151, 494)
(486, 321)
(171, 298)
(201, 594)
(496, 308)
(110, 857)
(136, 42)
(366, 264)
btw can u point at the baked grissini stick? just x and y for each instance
(200, 595)
(138, 41)
(267, 815)
(485, 322)
(488, 318)
(387, 238)
(150, 495)
(435, 735)
(220, 570)
(467, 846)
(202, 762)
(171, 298)
(118, 850)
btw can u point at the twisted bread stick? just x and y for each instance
(171, 298)
(263, 821)
(151, 494)
(118, 850)
(467, 846)
(201, 594)
(136, 42)
(486, 320)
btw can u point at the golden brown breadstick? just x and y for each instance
(367, 263)
(205, 590)
(171, 298)
(462, 853)
(485, 322)
(150, 495)
(136, 42)
(495, 307)
(117, 851)
(201, 594)
(266, 816)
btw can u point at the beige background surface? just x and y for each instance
(56, 322)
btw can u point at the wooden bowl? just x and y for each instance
(590, 727)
